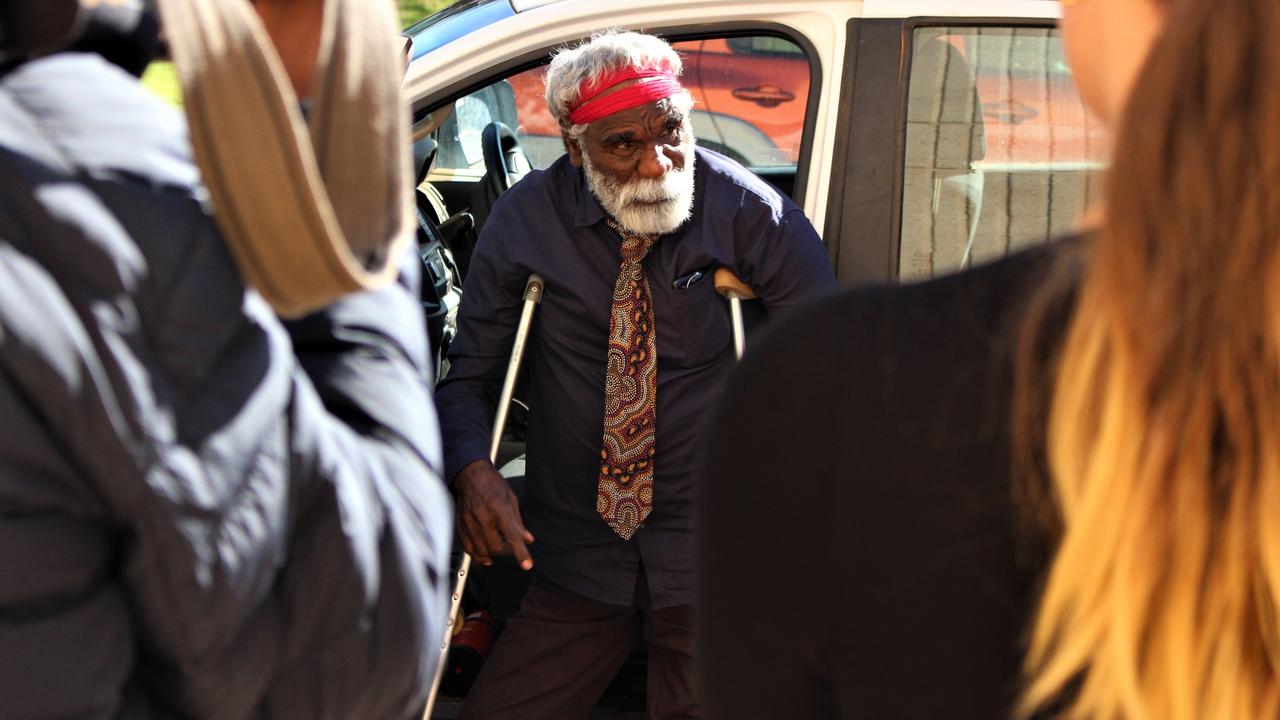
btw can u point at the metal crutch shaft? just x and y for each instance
(730, 286)
(532, 297)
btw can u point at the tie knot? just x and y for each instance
(634, 247)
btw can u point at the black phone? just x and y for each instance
(684, 282)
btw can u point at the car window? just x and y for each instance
(1000, 151)
(460, 151)
(751, 94)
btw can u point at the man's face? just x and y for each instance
(639, 164)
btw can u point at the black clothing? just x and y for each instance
(550, 223)
(859, 553)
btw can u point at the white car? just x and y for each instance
(919, 136)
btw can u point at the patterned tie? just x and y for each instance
(625, 494)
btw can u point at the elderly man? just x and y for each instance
(626, 352)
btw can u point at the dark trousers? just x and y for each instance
(559, 653)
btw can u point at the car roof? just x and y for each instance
(455, 21)
(467, 16)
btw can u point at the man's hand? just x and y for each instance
(489, 515)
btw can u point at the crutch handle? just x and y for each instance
(533, 289)
(730, 286)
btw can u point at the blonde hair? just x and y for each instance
(1162, 434)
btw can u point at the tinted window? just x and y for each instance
(1000, 151)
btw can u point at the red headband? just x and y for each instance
(651, 84)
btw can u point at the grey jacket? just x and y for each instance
(203, 512)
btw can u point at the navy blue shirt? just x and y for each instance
(551, 224)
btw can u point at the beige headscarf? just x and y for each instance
(312, 208)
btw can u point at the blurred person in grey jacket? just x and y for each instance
(205, 511)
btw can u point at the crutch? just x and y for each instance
(728, 285)
(532, 297)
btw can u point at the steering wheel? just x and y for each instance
(505, 161)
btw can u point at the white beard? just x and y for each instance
(645, 206)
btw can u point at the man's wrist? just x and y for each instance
(470, 468)
(460, 453)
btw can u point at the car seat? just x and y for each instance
(500, 99)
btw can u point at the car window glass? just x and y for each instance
(750, 98)
(459, 134)
(751, 94)
(1000, 151)
(764, 45)
(471, 115)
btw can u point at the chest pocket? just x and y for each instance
(693, 324)
(576, 315)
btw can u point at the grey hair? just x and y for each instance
(603, 53)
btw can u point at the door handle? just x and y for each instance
(768, 96)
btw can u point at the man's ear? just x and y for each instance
(571, 146)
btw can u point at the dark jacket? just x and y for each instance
(203, 512)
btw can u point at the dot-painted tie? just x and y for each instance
(625, 493)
